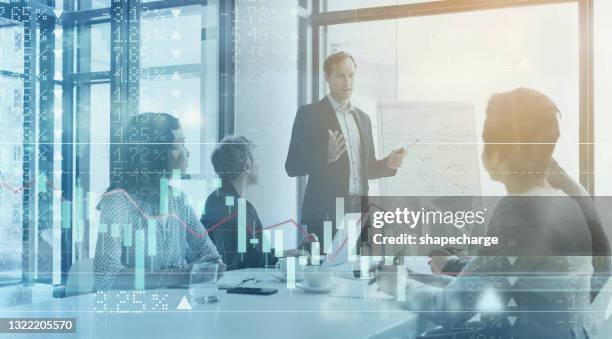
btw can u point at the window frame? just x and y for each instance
(76, 82)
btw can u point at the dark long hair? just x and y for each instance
(144, 156)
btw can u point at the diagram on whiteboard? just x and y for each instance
(441, 141)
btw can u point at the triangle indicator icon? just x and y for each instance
(184, 304)
(512, 303)
(476, 317)
(524, 64)
(512, 320)
(176, 153)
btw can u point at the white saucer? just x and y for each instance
(281, 277)
(314, 289)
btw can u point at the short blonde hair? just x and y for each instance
(336, 58)
(233, 156)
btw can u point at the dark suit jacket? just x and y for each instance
(308, 156)
(225, 236)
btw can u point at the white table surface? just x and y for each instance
(353, 309)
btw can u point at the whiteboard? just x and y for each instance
(445, 159)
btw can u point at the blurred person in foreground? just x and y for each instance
(536, 283)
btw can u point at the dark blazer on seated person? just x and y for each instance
(225, 235)
(307, 155)
(549, 280)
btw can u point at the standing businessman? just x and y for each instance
(332, 143)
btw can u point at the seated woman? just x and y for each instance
(535, 284)
(140, 207)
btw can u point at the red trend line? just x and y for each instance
(359, 221)
(142, 212)
(179, 219)
(195, 232)
(221, 222)
(333, 257)
(187, 227)
(298, 226)
(26, 186)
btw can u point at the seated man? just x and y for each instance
(234, 163)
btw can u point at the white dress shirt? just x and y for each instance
(350, 130)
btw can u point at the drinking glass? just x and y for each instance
(203, 287)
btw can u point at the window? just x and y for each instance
(11, 157)
(180, 98)
(11, 42)
(177, 43)
(100, 161)
(466, 57)
(100, 47)
(11, 150)
(338, 5)
(181, 79)
(170, 36)
(100, 4)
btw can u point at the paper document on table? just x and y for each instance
(418, 264)
(358, 289)
(230, 281)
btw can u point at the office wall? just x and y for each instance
(266, 101)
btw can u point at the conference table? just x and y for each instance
(352, 309)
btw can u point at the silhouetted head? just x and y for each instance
(520, 133)
(233, 157)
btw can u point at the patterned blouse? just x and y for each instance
(168, 241)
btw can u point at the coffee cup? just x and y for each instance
(281, 266)
(317, 277)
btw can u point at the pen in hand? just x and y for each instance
(411, 143)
